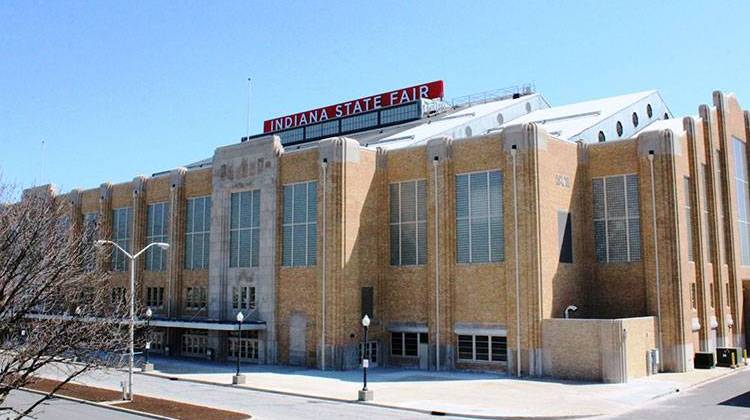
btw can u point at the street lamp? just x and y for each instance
(146, 365)
(132, 259)
(238, 379)
(365, 394)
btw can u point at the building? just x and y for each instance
(459, 228)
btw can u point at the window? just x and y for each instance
(617, 224)
(197, 233)
(122, 225)
(243, 298)
(321, 130)
(619, 129)
(195, 298)
(371, 352)
(405, 344)
(706, 213)
(118, 296)
(408, 223)
(565, 236)
(693, 296)
(358, 122)
(401, 113)
(711, 297)
(743, 199)
(367, 302)
(689, 216)
(154, 297)
(479, 217)
(726, 290)
(246, 346)
(649, 111)
(300, 241)
(635, 120)
(156, 339)
(244, 230)
(721, 181)
(602, 137)
(482, 348)
(292, 136)
(86, 296)
(90, 234)
(157, 228)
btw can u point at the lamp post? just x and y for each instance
(146, 365)
(132, 259)
(238, 379)
(364, 393)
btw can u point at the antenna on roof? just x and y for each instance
(249, 90)
(41, 169)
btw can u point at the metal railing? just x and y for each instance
(493, 95)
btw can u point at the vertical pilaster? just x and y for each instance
(176, 253)
(105, 224)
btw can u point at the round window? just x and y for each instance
(649, 111)
(635, 120)
(528, 107)
(602, 137)
(619, 129)
(500, 119)
(467, 130)
(666, 116)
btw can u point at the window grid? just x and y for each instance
(195, 298)
(244, 231)
(243, 298)
(720, 180)
(405, 344)
(401, 201)
(629, 221)
(689, 216)
(122, 219)
(473, 215)
(197, 233)
(300, 233)
(743, 199)
(155, 297)
(482, 348)
(246, 346)
(90, 232)
(157, 231)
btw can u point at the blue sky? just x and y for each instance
(118, 89)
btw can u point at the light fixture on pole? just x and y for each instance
(132, 258)
(238, 379)
(364, 393)
(146, 365)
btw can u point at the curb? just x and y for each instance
(373, 404)
(100, 405)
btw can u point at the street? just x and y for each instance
(726, 398)
(59, 409)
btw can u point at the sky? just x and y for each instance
(105, 91)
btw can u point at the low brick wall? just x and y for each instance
(602, 350)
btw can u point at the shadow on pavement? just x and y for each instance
(742, 400)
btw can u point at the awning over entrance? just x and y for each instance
(207, 324)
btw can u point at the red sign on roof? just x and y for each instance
(430, 90)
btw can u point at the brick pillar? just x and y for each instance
(105, 224)
(176, 253)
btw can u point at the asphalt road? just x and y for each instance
(59, 409)
(725, 399)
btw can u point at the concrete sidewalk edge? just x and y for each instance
(101, 405)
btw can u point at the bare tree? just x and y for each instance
(56, 306)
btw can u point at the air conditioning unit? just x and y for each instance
(704, 360)
(724, 356)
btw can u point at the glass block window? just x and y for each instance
(244, 229)
(482, 348)
(617, 223)
(479, 217)
(706, 213)
(122, 228)
(359, 122)
(90, 234)
(688, 212)
(243, 298)
(197, 232)
(401, 113)
(155, 297)
(196, 298)
(157, 231)
(300, 226)
(408, 223)
(405, 344)
(743, 198)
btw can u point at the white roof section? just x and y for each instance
(585, 120)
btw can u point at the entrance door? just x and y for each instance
(371, 352)
(297, 334)
(424, 352)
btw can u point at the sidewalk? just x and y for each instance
(460, 393)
